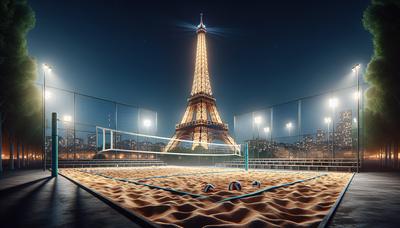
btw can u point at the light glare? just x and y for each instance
(257, 119)
(147, 123)
(47, 95)
(333, 102)
(67, 118)
(327, 120)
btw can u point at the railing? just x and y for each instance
(323, 164)
(204, 122)
(109, 163)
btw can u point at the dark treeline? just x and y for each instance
(20, 100)
(382, 20)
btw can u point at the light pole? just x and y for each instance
(356, 69)
(47, 68)
(67, 120)
(289, 127)
(257, 121)
(333, 103)
(267, 131)
(328, 121)
(147, 124)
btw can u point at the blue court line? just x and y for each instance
(324, 223)
(179, 192)
(268, 189)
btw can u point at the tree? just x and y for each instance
(382, 20)
(19, 98)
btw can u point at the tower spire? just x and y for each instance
(201, 79)
(201, 27)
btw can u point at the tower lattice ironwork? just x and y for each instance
(201, 121)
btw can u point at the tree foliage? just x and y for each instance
(382, 20)
(20, 102)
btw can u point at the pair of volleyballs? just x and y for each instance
(234, 185)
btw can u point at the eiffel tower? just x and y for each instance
(201, 121)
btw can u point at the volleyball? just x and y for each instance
(256, 184)
(208, 188)
(235, 185)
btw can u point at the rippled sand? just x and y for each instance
(302, 204)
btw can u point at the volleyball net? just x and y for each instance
(113, 143)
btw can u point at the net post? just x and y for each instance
(246, 156)
(54, 145)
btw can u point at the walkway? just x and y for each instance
(372, 200)
(33, 199)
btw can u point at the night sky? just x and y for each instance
(142, 53)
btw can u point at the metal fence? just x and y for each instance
(79, 114)
(319, 126)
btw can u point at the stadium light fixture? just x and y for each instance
(289, 127)
(67, 118)
(355, 120)
(47, 67)
(333, 102)
(356, 67)
(257, 120)
(267, 129)
(47, 95)
(356, 95)
(147, 123)
(327, 120)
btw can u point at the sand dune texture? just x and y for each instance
(300, 205)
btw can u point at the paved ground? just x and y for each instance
(372, 200)
(33, 199)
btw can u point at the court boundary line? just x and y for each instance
(328, 217)
(136, 218)
(269, 189)
(179, 192)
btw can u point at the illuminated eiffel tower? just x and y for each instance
(201, 121)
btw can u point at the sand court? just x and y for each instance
(301, 204)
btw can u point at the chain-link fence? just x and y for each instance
(79, 114)
(320, 126)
